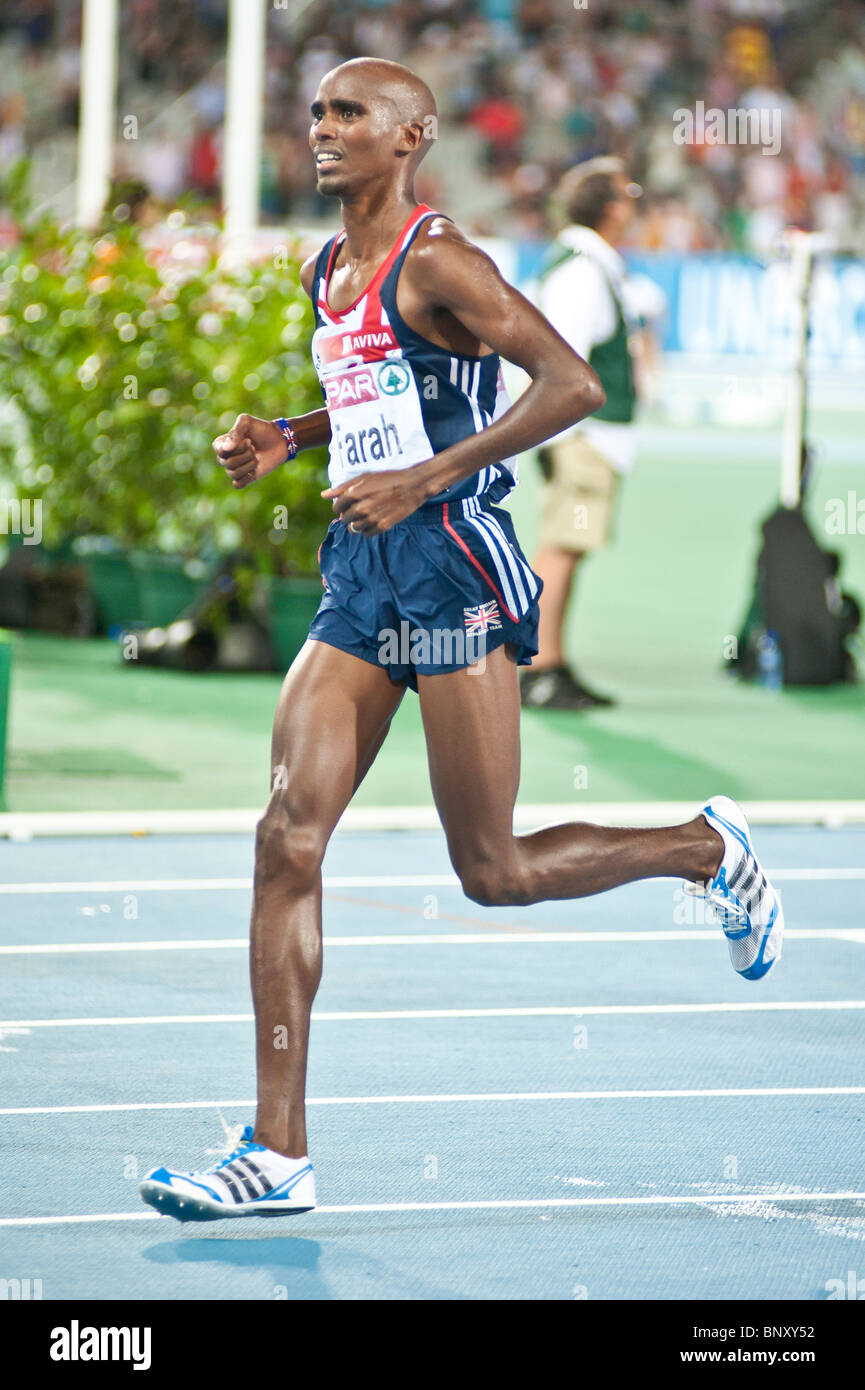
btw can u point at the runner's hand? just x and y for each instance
(251, 449)
(373, 502)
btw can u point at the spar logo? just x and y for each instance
(350, 388)
(393, 378)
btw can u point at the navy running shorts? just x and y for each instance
(435, 593)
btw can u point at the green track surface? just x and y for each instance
(652, 614)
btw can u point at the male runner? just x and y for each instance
(411, 320)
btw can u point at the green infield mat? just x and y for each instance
(651, 617)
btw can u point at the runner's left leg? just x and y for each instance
(471, 720)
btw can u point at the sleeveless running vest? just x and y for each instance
(394, 398)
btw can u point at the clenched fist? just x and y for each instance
(251, 449)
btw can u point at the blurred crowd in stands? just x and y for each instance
(525, 89)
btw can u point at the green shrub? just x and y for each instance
(118, 366)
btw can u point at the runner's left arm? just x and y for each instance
(453, 274)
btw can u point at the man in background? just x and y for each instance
(582, 293)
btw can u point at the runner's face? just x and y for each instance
(353, 138)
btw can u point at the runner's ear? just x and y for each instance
(412, 134)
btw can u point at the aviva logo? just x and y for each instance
(393, 378)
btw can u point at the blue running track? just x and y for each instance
(574, 1100)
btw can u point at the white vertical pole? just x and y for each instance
(98, 103)
(801, 264)
(243, 117)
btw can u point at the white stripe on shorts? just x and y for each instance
(495, 555)
(522, 572)
(498, 544)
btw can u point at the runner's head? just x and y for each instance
(377, 118)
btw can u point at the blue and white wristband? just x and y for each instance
(290, 438)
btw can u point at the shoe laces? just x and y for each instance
(729, 911)
(246, 1140)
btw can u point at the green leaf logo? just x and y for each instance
(393, 378)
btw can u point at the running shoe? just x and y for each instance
(742, 898)
(251, 1181)
(556, 687)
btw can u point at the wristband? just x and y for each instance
(290, 438)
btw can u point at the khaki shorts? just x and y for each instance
(578, 496)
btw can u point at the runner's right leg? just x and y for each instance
(333, 715)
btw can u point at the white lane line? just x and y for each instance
(78, 824)
(490, 938)
(451, 1099)
(816, 875)
(199, 885)
(143, 885)
(528, 816)
(529, 1011)
(225, 943)
(506, 1204)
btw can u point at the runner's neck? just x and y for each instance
(370, 232)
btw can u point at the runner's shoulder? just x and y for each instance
(307, 271)
(441, 254)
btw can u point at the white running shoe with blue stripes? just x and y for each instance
(251, 1181)
(744, 901)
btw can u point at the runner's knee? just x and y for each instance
(288, 847)
(494, 882)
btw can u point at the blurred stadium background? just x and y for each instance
(135, 522)
(525, 88)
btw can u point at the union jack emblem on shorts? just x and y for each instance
(482, 619)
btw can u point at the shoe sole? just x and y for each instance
(169, 1203)
(760, 968)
